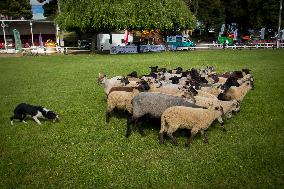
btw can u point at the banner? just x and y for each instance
(18, 42)
(40, 41)
(123, 49)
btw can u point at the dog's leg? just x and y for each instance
(36, 120)
(23, 118)
(11, 119)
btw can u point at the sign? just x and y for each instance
(152, 48)
(123, 49)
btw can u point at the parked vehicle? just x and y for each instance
(179, 42)
(84, 45)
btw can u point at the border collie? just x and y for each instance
(23, 110)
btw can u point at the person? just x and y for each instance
(227, 43)
(138, 45)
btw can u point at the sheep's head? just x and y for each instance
(132, 74)
(222, 96)
(175, 79)
(236, 106)
(101, 78)
(192, 90)
(189, 96)
(219, 109)
(163, 70)
(231, 81)
(153, 68)
(144, 86)
(246, 71)
(124, 80)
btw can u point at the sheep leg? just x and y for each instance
(190, 139)
(205, 136)
(140, 128)
(174, 140)
(220, 120)
(161, 138)
(129, 121)
(107, 118)
(223, 128)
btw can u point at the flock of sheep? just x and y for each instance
(189, 99)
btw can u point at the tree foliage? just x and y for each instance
(210, 13)
(50, 9)
(252, 13)
(109, 15)
(16, 8)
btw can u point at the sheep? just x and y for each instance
(126, 89)
(153, 104)
(231, 81)
(132, 74)
(213, 89)
(238, 93)
(195, 119)
(206, 94)
(142, 86)
(167, 76)
(121, 98)
(153, 69)
(222, 80)
(117, 81)
(178, 70)
(174, 90)
(228, 106)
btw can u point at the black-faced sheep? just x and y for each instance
(238, 93)
(195, 119)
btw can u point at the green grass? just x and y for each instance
(80, 152)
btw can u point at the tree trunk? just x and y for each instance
(94, 42)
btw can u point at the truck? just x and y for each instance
(179, 42)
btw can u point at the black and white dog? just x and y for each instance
(23, 110)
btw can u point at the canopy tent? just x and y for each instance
(30, 31)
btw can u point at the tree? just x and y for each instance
(264, 13)
(16, 9)
(210, 14)
(110, 15)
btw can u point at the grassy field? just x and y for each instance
(80, 152)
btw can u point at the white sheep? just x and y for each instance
(109, 83)
(121, 100)
(195, 119)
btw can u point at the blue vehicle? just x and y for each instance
(179, 42)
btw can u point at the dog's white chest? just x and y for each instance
(39, 114)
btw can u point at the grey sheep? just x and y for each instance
(153, 104)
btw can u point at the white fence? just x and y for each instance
(45, 50)
(249, 46)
